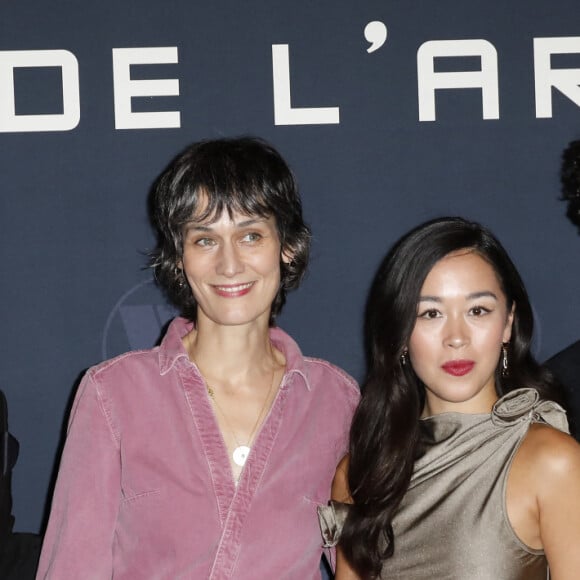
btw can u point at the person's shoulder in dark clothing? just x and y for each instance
(566, 366)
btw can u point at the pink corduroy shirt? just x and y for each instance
(145, 489)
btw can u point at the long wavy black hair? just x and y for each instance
(242, 174)
(385, 429)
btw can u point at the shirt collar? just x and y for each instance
(171, 349)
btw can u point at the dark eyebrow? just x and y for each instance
(429, 299)
(195, 227)
(250, 222)
(473, 296)
(482, 294)
(200, 227)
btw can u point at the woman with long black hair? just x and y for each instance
(460, 467)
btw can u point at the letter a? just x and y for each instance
(428, 81)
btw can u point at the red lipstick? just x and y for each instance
(458, 368)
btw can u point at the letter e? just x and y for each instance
(125, 88)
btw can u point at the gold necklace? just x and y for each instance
(241, 452)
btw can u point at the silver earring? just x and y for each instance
(404, 357)
(504, 359)
(181, 281)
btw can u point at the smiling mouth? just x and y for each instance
(233, 290)
(458, 368)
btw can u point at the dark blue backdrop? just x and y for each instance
(74, 231)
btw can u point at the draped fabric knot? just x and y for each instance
(524, 405)
(331, 518)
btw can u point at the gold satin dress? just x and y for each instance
(452, 523)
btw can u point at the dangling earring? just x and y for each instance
(181, 281)
(404, 357)
(504, 359)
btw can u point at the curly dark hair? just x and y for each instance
(245, 175)
(384, 437)
(570, 176)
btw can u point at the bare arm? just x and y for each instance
(559, 503)
(340, 492)
(543, 498)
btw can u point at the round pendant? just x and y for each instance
(240, 455)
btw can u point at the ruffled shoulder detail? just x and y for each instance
(331, 518)
(525, 405)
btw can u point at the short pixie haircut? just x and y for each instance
(244, 175)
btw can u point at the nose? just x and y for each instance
(456, 332)
(229, 262)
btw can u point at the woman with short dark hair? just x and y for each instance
(206, 456)
(460, 466)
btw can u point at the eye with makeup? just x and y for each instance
(429, 314)
(479, 311)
